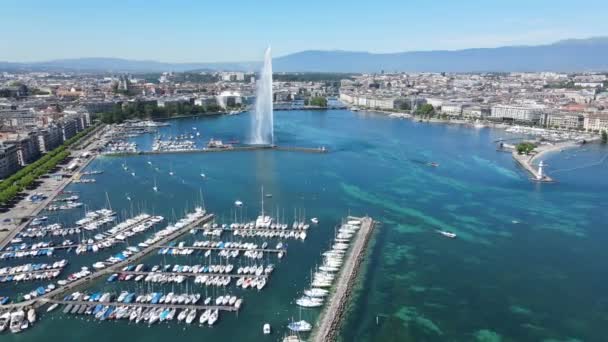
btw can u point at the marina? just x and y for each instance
(302, 286)
(162, 236)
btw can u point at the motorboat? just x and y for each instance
(299, 326)
(447, 233)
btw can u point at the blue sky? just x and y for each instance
(239, 30)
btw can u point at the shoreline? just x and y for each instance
(527, 161)
(408, 116)
(25, 210)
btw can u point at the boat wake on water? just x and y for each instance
(598, 163)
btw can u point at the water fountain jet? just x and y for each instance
(262, 131)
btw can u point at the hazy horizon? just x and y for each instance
(187, 31)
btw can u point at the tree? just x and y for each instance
(318, 101)
(604, 137)
(525, 147)
(425, 109)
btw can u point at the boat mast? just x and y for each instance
(262, 201)
(108, 201)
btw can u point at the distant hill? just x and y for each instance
(567, 55)
(115, 65)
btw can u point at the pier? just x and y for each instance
(225, 149)
(240, 249)
(144, 305)
(111, 238)
(193, 275)
(39, 301)
(329, 321)
(526, 162)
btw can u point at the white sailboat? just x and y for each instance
(155, 188)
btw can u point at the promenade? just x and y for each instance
(24, 211)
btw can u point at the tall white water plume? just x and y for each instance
(262, 130)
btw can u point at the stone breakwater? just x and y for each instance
(329, 322)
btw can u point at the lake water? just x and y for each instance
(527, 264)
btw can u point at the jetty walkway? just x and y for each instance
(526, 162)
(193, 275)
(226, 149)
(241, 249)
(329, 322)
(144, 305)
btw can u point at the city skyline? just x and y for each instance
(193, 32)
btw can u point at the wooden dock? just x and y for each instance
(265, 250)
(256, 230)
(329, 322)
(144, 305)
(193, 275)
(108, 238)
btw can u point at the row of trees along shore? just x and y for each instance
(141, 110)
(25, 177)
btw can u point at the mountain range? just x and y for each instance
(566, 55)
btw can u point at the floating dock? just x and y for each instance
(145, 305)
(194, 275)
(240, 249)
(329, 322)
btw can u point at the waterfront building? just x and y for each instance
(163, 102)
(9, 162)
(69, 128)
(475, 112)
(596, 122)
(564, 120)
(435, 102)
(228, 99)
(49, 138)
(205, 101)
(99, 106)
(531, 114)
(452, 109)
(28, 149)
(19, 118)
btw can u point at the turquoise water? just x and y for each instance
(526, 266)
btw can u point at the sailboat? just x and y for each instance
(171, 170)
(155, 188)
